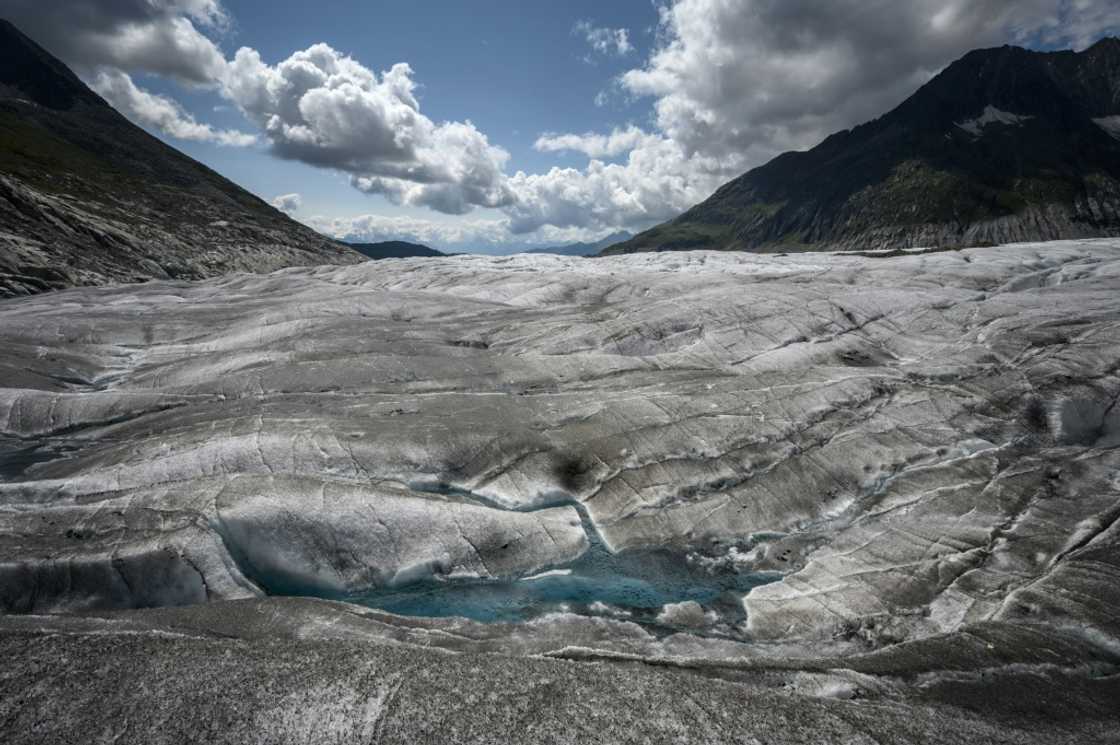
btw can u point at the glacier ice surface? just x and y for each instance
(824, 447)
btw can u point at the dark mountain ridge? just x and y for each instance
(394, 250)
(1005, 144)
(87, 197)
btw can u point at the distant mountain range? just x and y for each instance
(86, 197)
(1004, 145)
(394, 250)
(584, 249)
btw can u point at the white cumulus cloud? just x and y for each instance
(593, 145)
(322, 107)
(160, 112)
(608, 41)
(161, 37)
(656, 182)
(287, 202)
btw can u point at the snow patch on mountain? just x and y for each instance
(1110, 124)
(991, 115)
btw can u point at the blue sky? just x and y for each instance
(491, 125)
(463, 66)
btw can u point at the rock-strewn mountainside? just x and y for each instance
(86, 197)
(1004, 145)
(835, 499)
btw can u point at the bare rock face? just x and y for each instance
(807, 473)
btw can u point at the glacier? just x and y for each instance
(878, 465)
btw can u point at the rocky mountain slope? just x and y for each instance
(394, 250)
(1004, 145)
(86, 197)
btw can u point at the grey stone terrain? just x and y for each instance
(909, 460)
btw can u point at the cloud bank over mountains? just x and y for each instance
(731, 84)
(460, 235)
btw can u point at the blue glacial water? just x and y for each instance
(637, 581)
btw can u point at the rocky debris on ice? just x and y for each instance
(298, 671)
